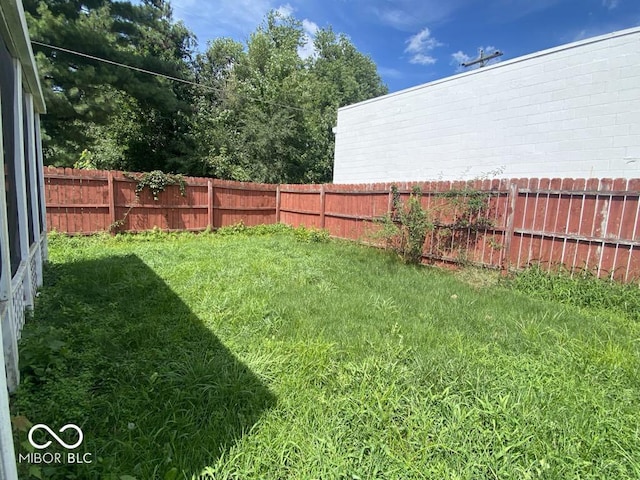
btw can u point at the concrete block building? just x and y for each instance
(571, 111)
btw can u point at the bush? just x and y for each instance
(157, 181)
(311, 235)
(405, 228)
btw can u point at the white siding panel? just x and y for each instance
(573, 111)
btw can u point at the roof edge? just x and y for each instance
(478, 71)
(13, 27)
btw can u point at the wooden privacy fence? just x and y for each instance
(90, 201)
(589, 224)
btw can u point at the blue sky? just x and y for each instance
(418, 41)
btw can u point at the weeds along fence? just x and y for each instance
(586, 224)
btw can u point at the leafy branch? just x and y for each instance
(156, 181)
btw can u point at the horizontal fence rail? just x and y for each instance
(90, 201)
(585, 224)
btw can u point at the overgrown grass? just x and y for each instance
(263, 356)
(581, 289)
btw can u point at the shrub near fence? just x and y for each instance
(590, 224)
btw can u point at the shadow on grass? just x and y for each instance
(114, 350)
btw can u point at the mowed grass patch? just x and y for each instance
(276, 356)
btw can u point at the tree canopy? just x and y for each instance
(260, 111)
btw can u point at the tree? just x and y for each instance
(87, 98)
(216, 122)
(340, 76)
(259, 111)
(274, 113)
(349, 75)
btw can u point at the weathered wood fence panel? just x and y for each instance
(300, 205)
(89, 201)
(590, 224)
(250, 203)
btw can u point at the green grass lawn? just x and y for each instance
(272, 356)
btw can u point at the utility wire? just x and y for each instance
(157, 74)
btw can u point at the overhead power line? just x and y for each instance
(130, 67)
(157, 74)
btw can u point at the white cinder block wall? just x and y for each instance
(572, 111)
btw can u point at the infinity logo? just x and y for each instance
(42, 426)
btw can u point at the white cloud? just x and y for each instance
(422, 41)
(308, 49)
(419, 45)
(310, 27)
(422, 59)
(460, 57)
(610, 4)
(285, 10)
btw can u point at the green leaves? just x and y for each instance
(580, 288)
(273, 118)
(405, 228)
(263, 112)
(45, 354)
(156, 181)
(86, 97)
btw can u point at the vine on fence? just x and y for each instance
(406, 226)
(156, 181)
(116, 226)
(465, 212)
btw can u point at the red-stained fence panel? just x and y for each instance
(590, 224)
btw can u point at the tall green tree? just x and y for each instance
(216, 119)
(275, 112)
(89, 100)
(340, 75)
(260, 111)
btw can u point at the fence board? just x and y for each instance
(588, 224)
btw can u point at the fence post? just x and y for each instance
(112, 201)
(322, 197)
(512, 198)
(210, 203)
(278, 203)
